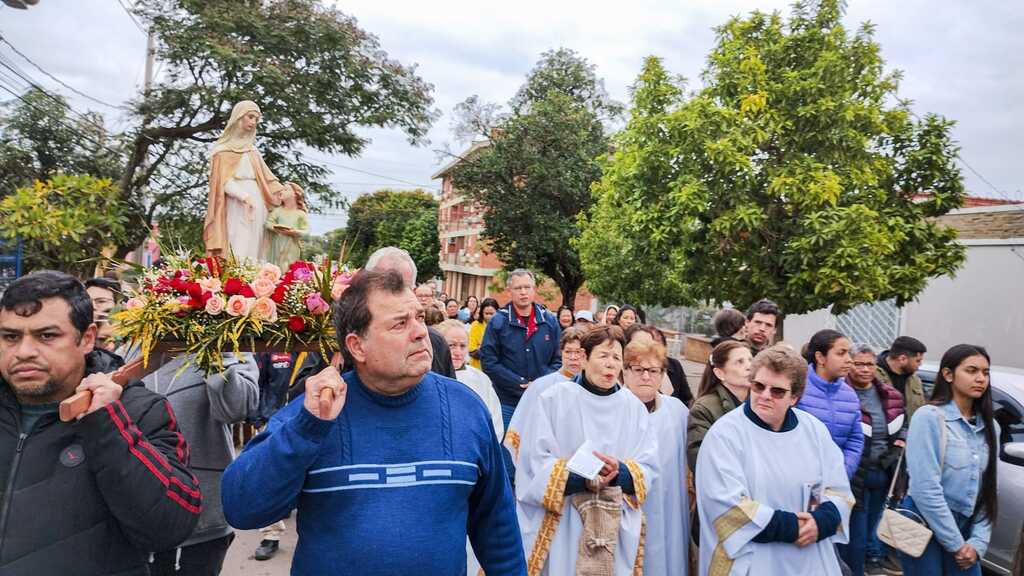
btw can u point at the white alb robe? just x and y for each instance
(246, 237)
(745, 473)
(563, 417)
(481, 384)
(666, 547)
(526, 401)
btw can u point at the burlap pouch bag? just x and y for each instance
(601, 514)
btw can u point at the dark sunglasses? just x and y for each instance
(776, 392)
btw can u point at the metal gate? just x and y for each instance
(877, 323)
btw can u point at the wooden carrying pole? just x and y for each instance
(162, 353)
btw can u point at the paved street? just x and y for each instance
(240, 561)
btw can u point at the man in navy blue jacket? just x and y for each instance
(393, 469)
(520, 343)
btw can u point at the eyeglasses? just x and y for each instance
(776, 392)
(640, 371)
(863, 364)
(572, 353)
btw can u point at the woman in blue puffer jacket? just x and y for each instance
(828, 396)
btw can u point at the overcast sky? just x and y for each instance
(960, 59)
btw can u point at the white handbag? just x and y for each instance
(895, 528)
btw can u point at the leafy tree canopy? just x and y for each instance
(64, 222)
(40, 138)
(792, 174)
(534, 175)
(403, 218)
(317, 76)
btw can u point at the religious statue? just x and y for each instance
(242, 190)
(286, 224)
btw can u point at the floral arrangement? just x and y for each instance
(212, 305)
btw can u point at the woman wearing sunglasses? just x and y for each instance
(830, 398)
(772, 490)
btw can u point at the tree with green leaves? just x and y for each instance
(317, 76)
(39, 139)
(403, 218)
(534, 176)
(64, 222)
(795, 173)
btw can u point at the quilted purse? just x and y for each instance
(908, 535)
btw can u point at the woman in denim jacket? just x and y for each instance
(951, 458)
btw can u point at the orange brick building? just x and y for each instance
(467, 267)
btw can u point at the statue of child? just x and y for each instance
(287, 223)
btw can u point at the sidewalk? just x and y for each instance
(239, 561)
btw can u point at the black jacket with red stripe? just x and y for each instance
(95, 496)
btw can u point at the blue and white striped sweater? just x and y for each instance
(392, 486)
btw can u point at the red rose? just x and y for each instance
(232, 286)
(279, 294)
(179, 285)
(296, 324)
(299, 264)
(246, 291)
(213, 265)
(194, 290)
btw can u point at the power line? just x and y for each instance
(31, 82)
(74, 130)
(132, 16)
(54, 78)
(382, 176)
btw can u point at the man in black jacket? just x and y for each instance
(94, 496)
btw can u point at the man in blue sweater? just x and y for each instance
(393, 468)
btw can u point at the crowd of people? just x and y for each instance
(492, 438)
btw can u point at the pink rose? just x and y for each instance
(263, 287)
(271, 272)
(316, 304)
(239, 305)
(265, 309)
(214, 305)
(210, 284)
(303, 274)
(183, 300)
(134, 303)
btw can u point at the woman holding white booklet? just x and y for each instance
(572, 524)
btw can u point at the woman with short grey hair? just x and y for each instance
(884, 423)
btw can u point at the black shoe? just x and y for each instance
(891, 566)
(266, 550)
(873, 567)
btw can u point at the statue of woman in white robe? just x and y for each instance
(242, 190)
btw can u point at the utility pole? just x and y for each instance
(150, 61)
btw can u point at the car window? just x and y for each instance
(1008, 412)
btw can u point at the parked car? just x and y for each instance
(1008, 406)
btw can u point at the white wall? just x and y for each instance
(983, 304)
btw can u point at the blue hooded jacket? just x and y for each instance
(838, 407)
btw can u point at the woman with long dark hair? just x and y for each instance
(951, 445)
(487, 309)
(724, 386)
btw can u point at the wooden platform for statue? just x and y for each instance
(162, 353)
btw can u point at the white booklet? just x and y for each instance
(584, 463)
